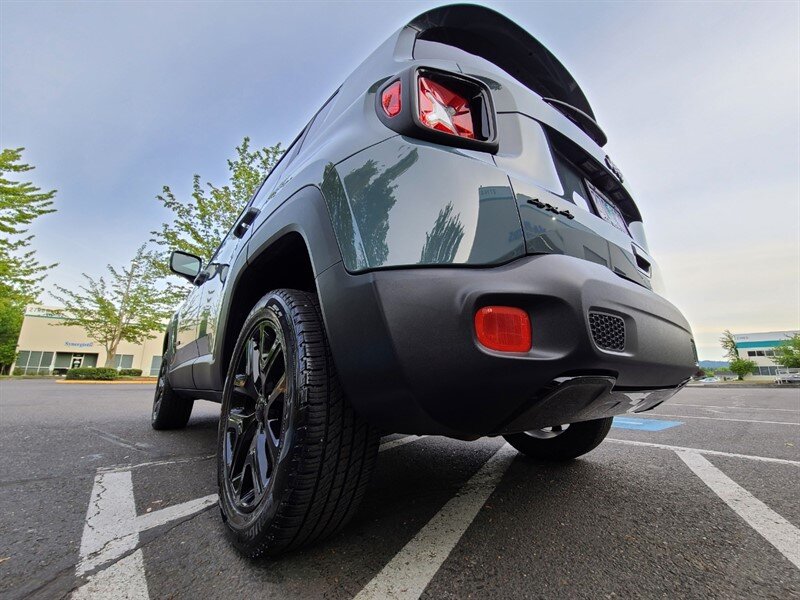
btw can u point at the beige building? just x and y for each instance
(760, 348)
(45, 347)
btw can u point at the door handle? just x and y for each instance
(243, 224)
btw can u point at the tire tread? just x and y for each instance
(335, 449)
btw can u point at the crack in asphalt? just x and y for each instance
(120, 441)
(165, 460)
(103, 489)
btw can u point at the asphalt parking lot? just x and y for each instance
(696, 499)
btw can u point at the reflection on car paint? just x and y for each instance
(393, 207)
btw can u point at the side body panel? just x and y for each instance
(406, 202)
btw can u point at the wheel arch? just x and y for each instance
(288, 250)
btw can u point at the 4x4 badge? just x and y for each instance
(614, 169)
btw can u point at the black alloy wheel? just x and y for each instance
(256, 419)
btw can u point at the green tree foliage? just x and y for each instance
(127, 306)
(11, 315)
(442, 242)
(729, 345)
(371, 191)
(21, 203)
(742, 367)
(787, 354)
(198, 224)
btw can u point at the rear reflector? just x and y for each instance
(503, 328)
(390, 100)
(444, 110)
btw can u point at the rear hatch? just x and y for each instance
(571, 199)
(570, 204)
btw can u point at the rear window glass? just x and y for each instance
(572, 181)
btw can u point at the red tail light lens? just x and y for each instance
(503, 328)
(390, 100)
(443, 109)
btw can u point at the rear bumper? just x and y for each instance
(404, 346)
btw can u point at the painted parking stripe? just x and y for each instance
(769, 524)
(643, 424)
(409, 572)
(111, 535)
(399, 442)
(173, 513)
(110, 529)
(124, 579)
(753, 408)
(729, 419)
(769, 459)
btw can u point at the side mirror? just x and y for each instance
(186, 265)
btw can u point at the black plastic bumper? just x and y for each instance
(405, 348)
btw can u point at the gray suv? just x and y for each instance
(444, 249)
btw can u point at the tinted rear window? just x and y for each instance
(572, 182)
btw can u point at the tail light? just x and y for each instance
(442, 107)
(391, 100)
(444, 110)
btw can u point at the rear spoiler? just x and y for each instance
(490, 35)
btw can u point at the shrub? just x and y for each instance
(130, 372)
(742, 367)
(92, 373)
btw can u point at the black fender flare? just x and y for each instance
(305, 213)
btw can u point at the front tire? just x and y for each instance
(170, 411)
(294, 460)
(561, 442)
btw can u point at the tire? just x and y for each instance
(294, 459)
(170, 411)
(561, 443)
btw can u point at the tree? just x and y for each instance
(441, 243)
(198, 225)
(742, 367)
(129, 306)
(21, 203)
(11, 315)
(729, 345)
(787, 354)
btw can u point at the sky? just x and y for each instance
(700, 101)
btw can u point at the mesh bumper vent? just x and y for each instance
(608, 331)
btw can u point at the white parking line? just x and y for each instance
(753, 408)
(173, 513)
(112, 530)
(782, 461)
(124, 579)
(726, 419)
(769, 524)
(399, 442)
(409, 572)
